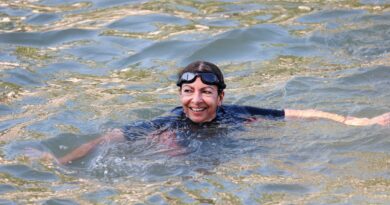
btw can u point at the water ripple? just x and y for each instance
(49, 38)
(70, 70)
(26, 173)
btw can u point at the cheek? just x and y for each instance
(213, 101)
(184, 100)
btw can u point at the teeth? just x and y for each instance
(197, 109)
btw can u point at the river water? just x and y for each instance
(69, 70)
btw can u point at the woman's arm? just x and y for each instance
(383, 119)
(84, 149)
(79, 152)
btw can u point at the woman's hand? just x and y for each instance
(383, 119)
(33, 153)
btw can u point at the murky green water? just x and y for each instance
(69, 70)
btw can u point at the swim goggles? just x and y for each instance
(207, 78)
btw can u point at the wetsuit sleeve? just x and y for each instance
(255, 111)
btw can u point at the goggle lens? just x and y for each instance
(207, 78)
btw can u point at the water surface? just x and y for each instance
(71, 70)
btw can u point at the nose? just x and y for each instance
(198, 98)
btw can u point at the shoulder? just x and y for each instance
(177, 111)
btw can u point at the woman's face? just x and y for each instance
(200, 101)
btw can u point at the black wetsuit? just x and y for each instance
(229, 117)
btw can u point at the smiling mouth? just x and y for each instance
(197, 109)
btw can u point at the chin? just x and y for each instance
(198, 120)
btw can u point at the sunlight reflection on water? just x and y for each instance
(71, 70)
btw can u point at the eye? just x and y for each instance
(187, 90)
(208, 92)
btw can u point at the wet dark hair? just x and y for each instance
(205, 67)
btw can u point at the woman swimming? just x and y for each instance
(202, 114)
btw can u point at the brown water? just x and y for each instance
(70, 70)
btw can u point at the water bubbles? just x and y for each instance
(63, 147)
(304, 8)
(118, 160)
(5, 20)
